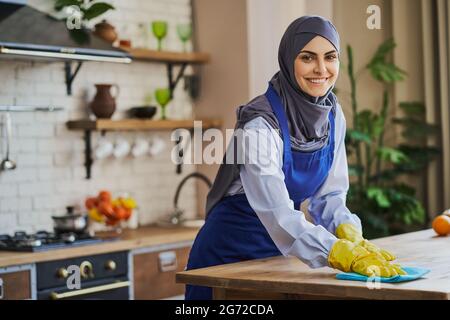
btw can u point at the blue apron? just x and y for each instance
(233, 232)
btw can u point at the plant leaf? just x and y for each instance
(60, 4)
(379, 196)
(97, 9)
(386, 72)
(370, 123)
(382, 70)
(419, 157)
(392, 155)
(383, 50)
(355, 135)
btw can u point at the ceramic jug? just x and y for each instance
(106, 31)
(104, 103)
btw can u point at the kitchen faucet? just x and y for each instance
(175, 217)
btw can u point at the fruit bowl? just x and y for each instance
(110, 211)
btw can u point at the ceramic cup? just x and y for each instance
(140, 147)
(122, 148)
(104, 149)
(157, 146)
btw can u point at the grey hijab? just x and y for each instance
(307, 116)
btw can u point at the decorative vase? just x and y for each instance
(106, 31)
(104, 103)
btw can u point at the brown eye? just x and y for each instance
(331, 57)
(306, 58)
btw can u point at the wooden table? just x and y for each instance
(289, 278)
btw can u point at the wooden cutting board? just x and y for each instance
(289, 278)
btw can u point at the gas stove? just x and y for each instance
(44, 240)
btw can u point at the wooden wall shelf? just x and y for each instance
(167, 56)
(137, 124)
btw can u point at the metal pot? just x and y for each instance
(70, 222)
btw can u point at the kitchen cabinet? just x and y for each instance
(16, 283)
(154, 271)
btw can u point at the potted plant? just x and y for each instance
(385, 204)
(78, 13)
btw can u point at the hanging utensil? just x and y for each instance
(7, 164)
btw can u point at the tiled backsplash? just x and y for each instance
(50, 173)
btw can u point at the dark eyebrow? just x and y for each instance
(313, 53)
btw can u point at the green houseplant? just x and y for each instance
(385, 204)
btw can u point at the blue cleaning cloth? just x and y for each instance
(413, 273)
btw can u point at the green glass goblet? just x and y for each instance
(162, 96)
(159, 29)
(184, 31)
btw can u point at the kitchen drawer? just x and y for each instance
(154, 273)
(15, 285)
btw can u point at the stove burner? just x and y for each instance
(44, 240)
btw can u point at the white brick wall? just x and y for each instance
(50, 173)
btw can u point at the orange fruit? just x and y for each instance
(105, 196)
(120, 212)
(441, 224)
(90, 203)
(106, 209)
(128, 213)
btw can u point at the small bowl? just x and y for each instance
(143, 112)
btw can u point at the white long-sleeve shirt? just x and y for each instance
(268, 196)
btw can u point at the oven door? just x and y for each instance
(104, 290)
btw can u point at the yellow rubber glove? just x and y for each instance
(349, 232)
(349, 257)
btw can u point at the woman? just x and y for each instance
(252, 208)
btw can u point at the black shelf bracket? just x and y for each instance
(88, 160)
(70, 76)
(173, 82)
(179, 166)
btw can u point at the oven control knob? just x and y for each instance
(110, 265)
(86, 270)
(62, 273)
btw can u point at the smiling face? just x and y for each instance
(316, 67)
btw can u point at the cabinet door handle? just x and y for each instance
(1, 288)
(168, 261)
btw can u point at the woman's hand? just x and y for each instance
(350, 257)
(349, 232)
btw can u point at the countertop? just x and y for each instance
(128, 240)
(289, 278)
